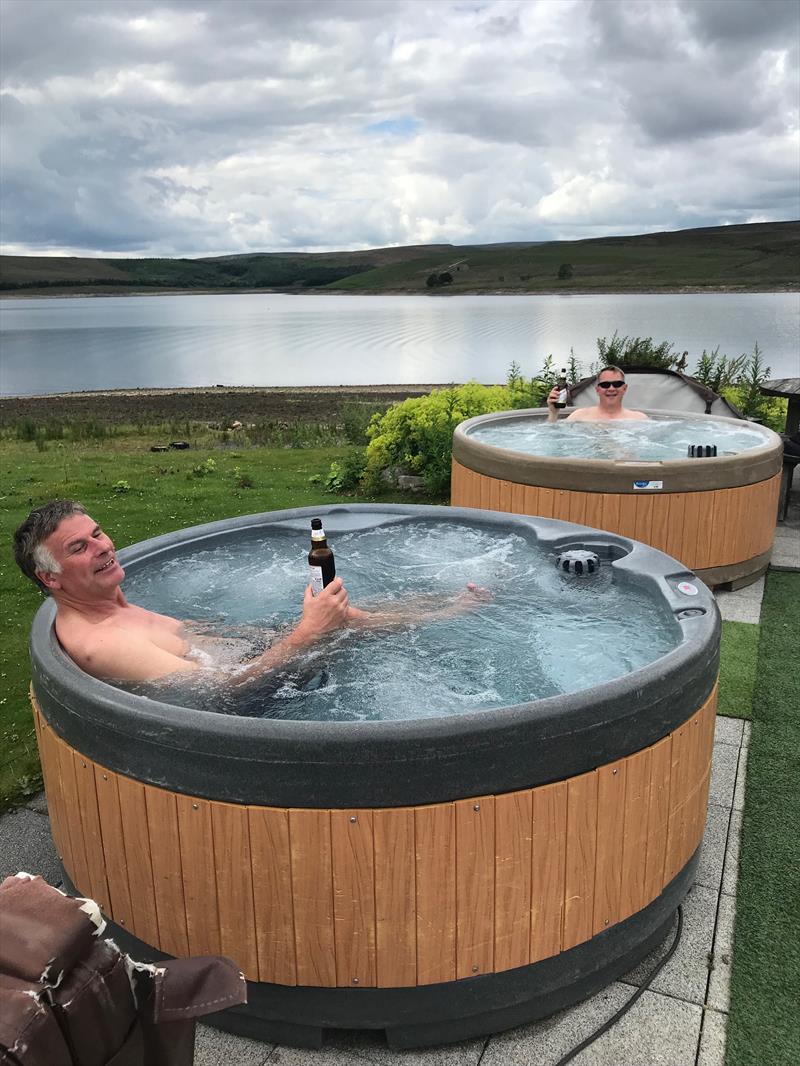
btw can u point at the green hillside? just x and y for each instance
(761, 256)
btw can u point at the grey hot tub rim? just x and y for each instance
(397, 763)
(618, 476)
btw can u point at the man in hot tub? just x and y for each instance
(610, 388)
(66, 553)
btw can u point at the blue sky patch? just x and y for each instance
(406, 126)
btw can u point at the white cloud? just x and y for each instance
(181, 127)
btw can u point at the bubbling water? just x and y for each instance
(539, 634)
(656, 439)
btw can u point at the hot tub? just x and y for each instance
(436, 877)
(716, 515)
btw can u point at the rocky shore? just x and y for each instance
(216, 403)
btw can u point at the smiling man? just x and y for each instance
(66, 553)
(610, 388)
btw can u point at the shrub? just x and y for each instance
(717, 372)
(242, 479)
(417, 434)
(120, 487)
(345, 474)
(204, 469)
(636, 351)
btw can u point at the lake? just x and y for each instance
(69, 344)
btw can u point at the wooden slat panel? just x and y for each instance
(634, 843)
(92, 834)
(48, 753)
(395, 905)
(628, 507)
(199, 877)
(353, 897)
(679, 794)
(113, 846)
(475, 886)
(504, 496)
(677, 511)
(726, 529)
(136, 838)
(693, 530)
(577, 508)
(659, 528)
(548, 866)
(581, 851)
(494, 494)
(312, 885)
(486, 493)
(457, 480)
(594, 510)
(546, 507)
(513, 834)
(165, 853)
(610, 520)
(272, 895)
(533, 500)
(561, 504)
(518, 499)
(705, 530)
(645, 505)
(78, 869)
(657, 817)
(237, 927)
(435, 835)
(611, 818)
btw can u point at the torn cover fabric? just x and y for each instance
(68, 997)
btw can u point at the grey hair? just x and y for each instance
(30, 551)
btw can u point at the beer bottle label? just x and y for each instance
(316, 580)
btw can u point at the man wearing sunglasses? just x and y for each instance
(610, 388)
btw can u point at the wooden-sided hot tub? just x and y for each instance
(434, 878)
(716, 515)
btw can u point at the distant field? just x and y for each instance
(757, 257)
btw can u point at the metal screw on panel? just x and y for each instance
(613, 771)
(477, 807)
(83, 764)
(195, 806)
(105, 777)
(474, 969)
(122, 921)
(355, 981)
(353, 818)
(605, 922)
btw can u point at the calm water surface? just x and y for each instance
(57, 345)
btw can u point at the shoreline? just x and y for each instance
(645, 290)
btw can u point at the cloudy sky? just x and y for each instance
(201, 127)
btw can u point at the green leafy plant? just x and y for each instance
(242, 479)
(345, 474)
(120, 487)
(636, 351)
(716, 371)
(417, 434)
(204, 469)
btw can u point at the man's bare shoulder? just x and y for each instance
(635, 416)
(122, 652)
(583, 414)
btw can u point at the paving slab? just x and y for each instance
(657, 1031)
(686, 974)
(26, 844)
(737, 608)
(712, 855)
(712, 1039)
(719, 986)
(341, 1048)
(786, 549)
(728, 731)
(730, 872)
(741, 773)
(212, 1047)
(724, 768)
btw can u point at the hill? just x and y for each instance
(756, 257)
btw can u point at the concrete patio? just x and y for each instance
(680, 1021)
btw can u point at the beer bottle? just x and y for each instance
(320, 558)
(563, 389)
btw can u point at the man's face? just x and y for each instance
(610, 396)
(86, 556)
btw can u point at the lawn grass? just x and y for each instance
(134, 494)
(737, 675)
(765, 983)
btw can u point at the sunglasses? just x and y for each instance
(610, 384)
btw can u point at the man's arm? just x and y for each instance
(122, 655)
(417, 610)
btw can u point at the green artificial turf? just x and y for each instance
(737, 669)
(764, 1027)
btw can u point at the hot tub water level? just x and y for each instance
(540, 633)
